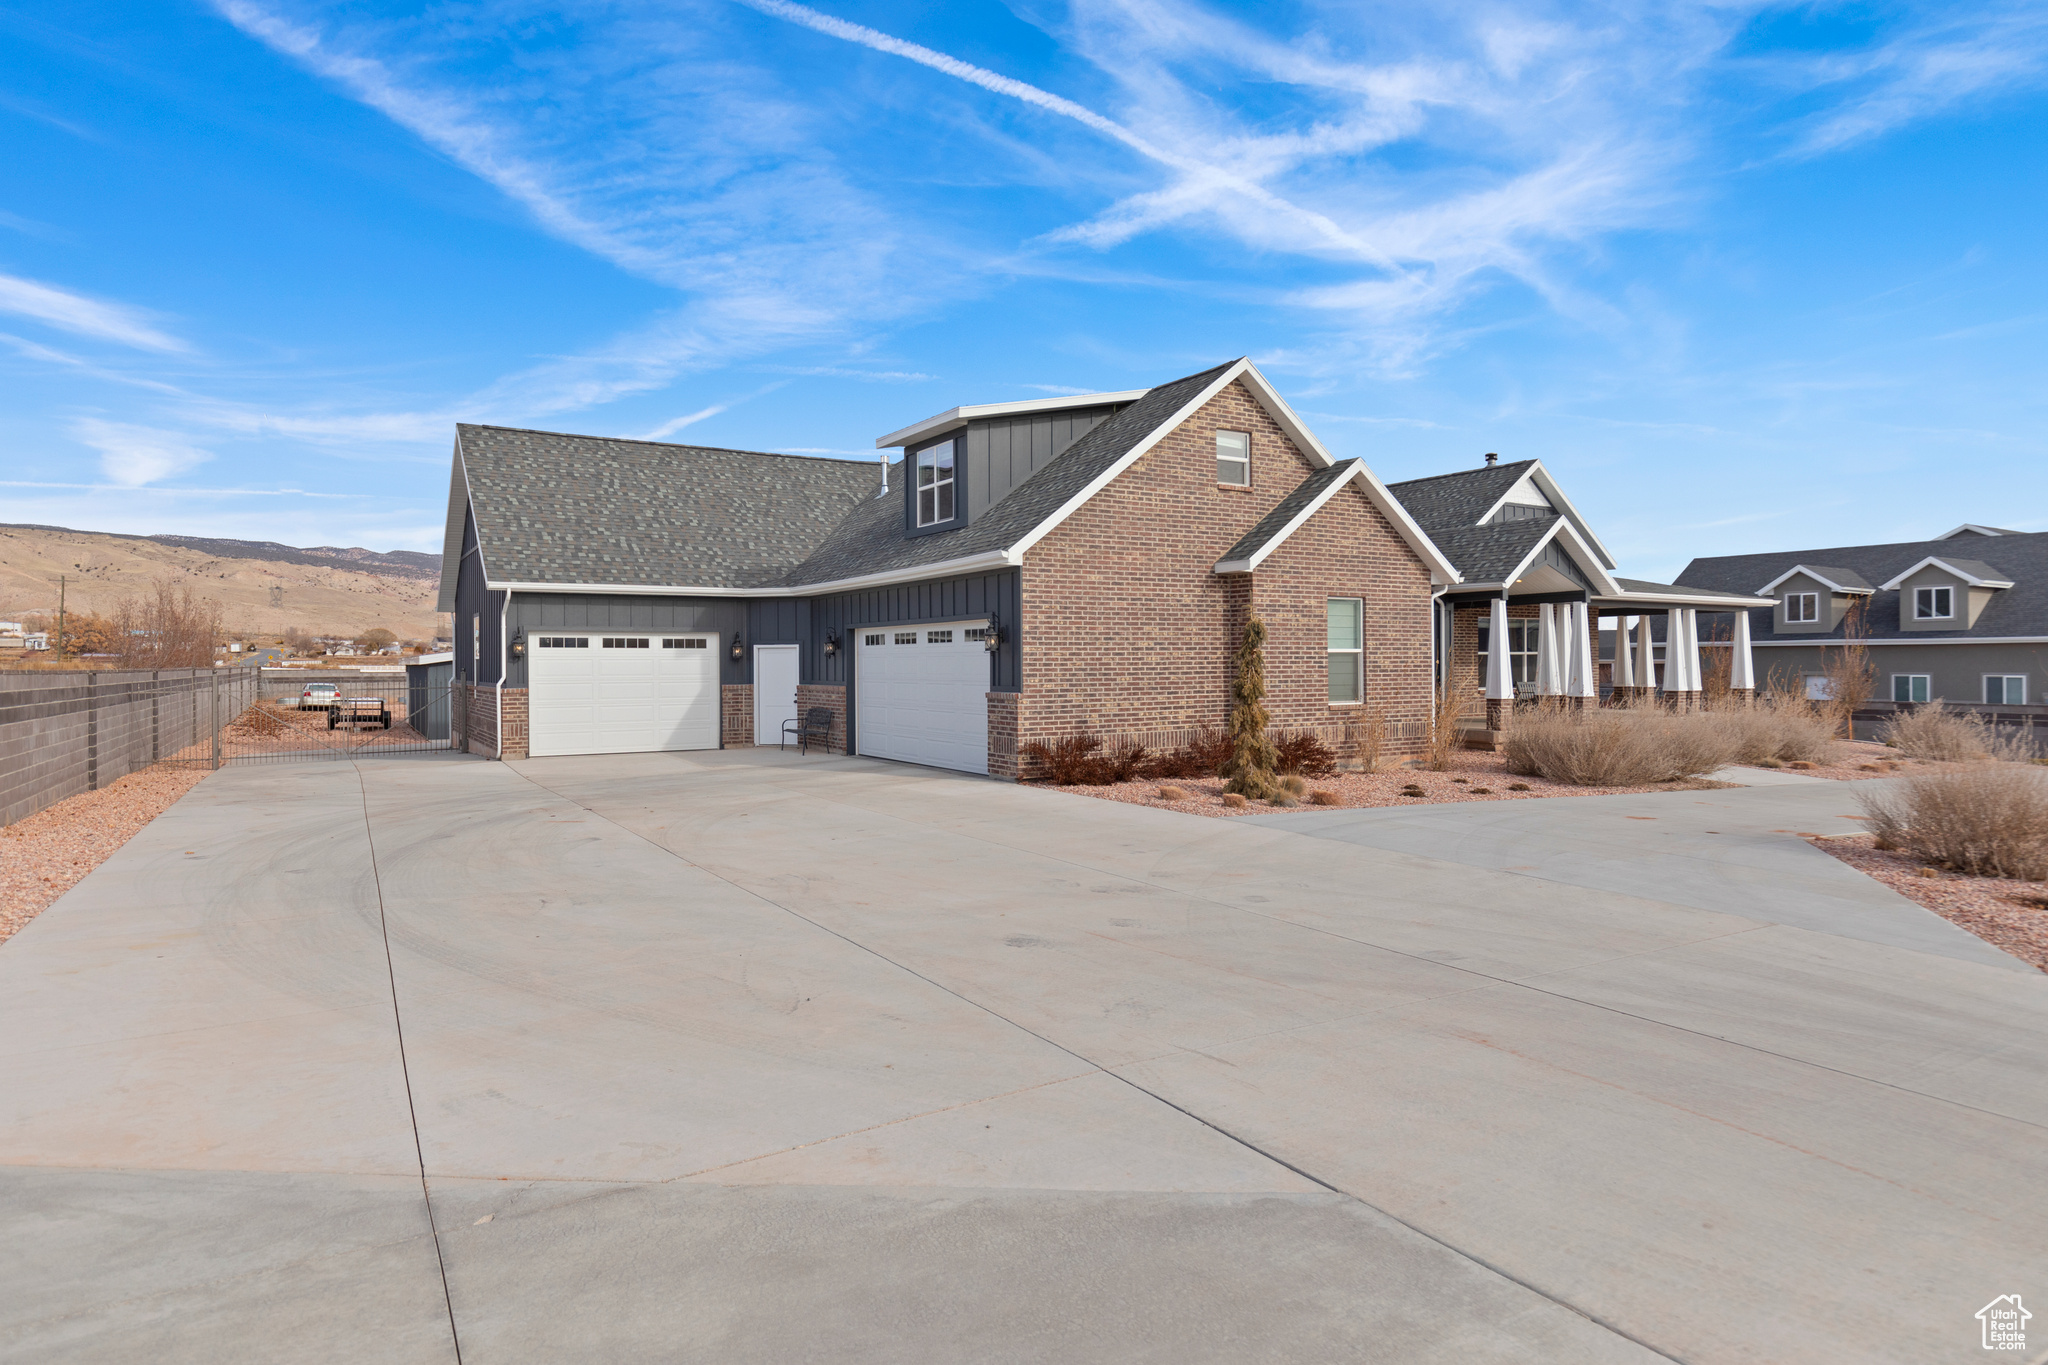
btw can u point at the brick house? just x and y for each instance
(1022, 571)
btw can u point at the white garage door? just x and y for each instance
(591, 693)
(922, 695)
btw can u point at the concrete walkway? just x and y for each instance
(741, 1057)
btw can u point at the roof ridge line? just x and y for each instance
(670, 445)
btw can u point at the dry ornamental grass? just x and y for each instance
(1986, 819)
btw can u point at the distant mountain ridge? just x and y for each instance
(393, 563)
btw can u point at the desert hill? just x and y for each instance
(263, 588)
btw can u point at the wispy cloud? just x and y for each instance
(132, 456)
(83, 316)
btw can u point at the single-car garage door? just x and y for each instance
(592, 693)
(922, 695)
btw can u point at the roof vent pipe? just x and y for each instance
(885, 475)
(1492, 459)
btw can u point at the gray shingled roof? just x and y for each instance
(1445, 502)
(1488, 554)
(1975, 568)
(554, 508)
(1288, 508)
(1834, 573)
(2020, 610)
(871, 540)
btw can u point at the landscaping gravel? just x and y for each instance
(48, 853)
(2009, 915)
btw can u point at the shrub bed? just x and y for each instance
(1988, 819)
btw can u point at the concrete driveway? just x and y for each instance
(745, 1057)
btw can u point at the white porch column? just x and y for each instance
(1500, 684)
(1624, 658)
(1742, 668)
(1695, 676)
(1547, 657)
(1674, 654)
(1646, 656)
(1585, 681)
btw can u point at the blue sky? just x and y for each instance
(1745, 277)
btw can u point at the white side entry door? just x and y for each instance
(775, 676)
(921, 695)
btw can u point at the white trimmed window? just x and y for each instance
(1346, 645)
(1801, 607)
(935, 484)
(1234, 458)
(2005, 689)
(1912, 687)
(1933, 604)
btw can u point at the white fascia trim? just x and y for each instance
(452, 570)
(1822, 579)
(1546, 485)
(993, 559)
(1696, 600)
(955, 416)
(1946, 567)
(1825, 640)
(1606, 587)
(1315, 505)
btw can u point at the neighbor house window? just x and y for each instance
(935, 484)
(1234, 458)
(1523, 639)
(1347, 649)
(1911, 687)
(1819, 687)
(2009, 689)
(476, 640)
(1802, 606)
(1933, 604)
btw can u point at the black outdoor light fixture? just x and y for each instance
(831, 645)
(519, 645)
(739, 651)
(992, 638)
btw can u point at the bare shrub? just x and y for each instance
(1202, 756)
(1173, 794)
(370, 641)
(301, 641)
(1615, 748)
(1987, 820)
(1293, 785)
(1851, 675)
(1299, 751)
(1775, 729)
(1232, 801)
(1453, 699)
(1366, 738)
(1936, 732)
(170, 626)
(1081, 761)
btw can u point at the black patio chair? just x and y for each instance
(816, 724)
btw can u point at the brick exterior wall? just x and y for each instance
(736, 716)
(825, 694)
(517, 733)
(1003, 709)
(1128, 633)
(473, 720)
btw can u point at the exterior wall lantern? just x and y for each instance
(739, 651)
(831, 646)
(519, 645)
(992, 640)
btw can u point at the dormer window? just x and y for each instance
(1933, 604)
(935, 484)
(1802, 607)
(1234, 458)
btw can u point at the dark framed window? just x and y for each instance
(935, 484)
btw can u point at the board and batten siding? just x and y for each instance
(1003, 452)
(539, 613)
(473, 600)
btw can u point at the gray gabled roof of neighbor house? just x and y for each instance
(1447, 502)
(2018, 612)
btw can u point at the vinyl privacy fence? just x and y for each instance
(71, 732)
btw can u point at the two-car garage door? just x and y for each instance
(921, 695)
(593, 693)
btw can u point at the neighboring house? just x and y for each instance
(1962, 617)
(1024, 571)
(1534, 571)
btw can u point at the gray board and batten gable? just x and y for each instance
(2018, 612)
(1002, 452)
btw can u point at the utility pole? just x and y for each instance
(60, 618)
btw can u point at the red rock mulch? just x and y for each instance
(48, 853)
(2009, 915)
